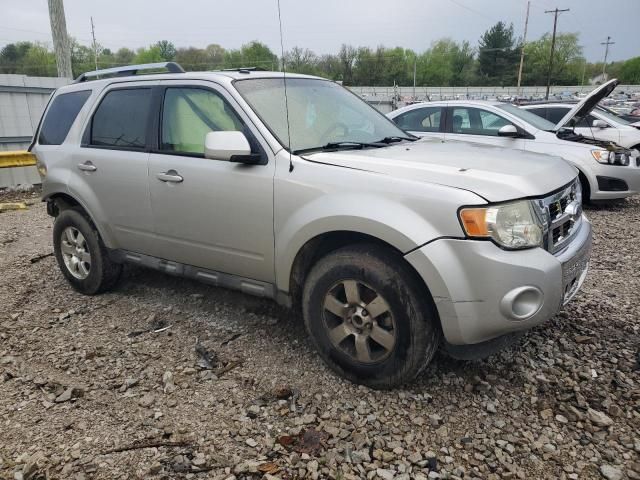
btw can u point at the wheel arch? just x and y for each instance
(323, 244)
(59, 201)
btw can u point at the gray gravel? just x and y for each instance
(167, 378)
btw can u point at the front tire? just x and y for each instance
(586, 189)
(369, 317)
(81, 255)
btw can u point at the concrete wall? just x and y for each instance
(22, 100)
(387, 99)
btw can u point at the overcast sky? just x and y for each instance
(323, 25)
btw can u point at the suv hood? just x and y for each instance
(496, 174)
(588, 103)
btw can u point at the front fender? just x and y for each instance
(390, 221)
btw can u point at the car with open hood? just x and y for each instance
(292, 188)
(607, 170)
(600, 124)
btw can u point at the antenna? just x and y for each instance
(284, 80)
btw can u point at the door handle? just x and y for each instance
(87, 167)
(170, 176)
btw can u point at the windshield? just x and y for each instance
(612, 117)
(320, 113)
(530, 118)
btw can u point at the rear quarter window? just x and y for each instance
(60, 116)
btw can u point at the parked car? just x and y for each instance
(384, 243)
(607, 170)
(599, 124)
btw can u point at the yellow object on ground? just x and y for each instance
(20, 158)
(5, 207)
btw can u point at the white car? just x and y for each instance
(607, 170)
(599, 124)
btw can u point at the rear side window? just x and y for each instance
(420, 120)
(121, 119)
(60, 116)
(555, 114)
(541, 112)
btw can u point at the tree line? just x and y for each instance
(494, 61)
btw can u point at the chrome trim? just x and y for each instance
(558, 211)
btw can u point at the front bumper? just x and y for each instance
(482, 291)
(605, 179)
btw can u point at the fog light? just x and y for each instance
(522, 303)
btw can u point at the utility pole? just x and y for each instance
(606, 53)
(95, 45)
(553, 45)
(415, 61)
(61, 42)
(524, 42)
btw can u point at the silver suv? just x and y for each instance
(293, 188)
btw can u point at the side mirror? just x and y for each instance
(599, 124)
(229, 146)
(508, 131)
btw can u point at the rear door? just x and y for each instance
(212, 214)
(479, 125)
(425, 121)
(109, 169)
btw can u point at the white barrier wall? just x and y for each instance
(22, 100)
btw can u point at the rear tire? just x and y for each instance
(369, 316)
(81, 254)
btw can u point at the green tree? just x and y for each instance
(446, 63)
(148, 55)
(215, 55)
(82, 58)
(252, 54)
(193, 59)
(301, 60)
(568, 62)
(329, 67)
(12, 55)
(124, 56)
(167, 50)
(38, 61)
(497, 55)
(462, 64)
(347, 57)
(629, 72)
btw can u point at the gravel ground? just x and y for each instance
(168, 378)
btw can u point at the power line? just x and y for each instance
(553, 44)
(461, 5)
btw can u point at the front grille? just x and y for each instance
(561, 214)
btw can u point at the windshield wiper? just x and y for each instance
(396, 138)
(340, 145)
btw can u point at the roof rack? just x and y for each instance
(244, 69)
(171, 67)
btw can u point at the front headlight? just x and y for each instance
(511, 225)
(604, 156)
(611, 158)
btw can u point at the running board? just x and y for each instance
(218, 279)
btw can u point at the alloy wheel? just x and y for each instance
(359, 321)
(75, 253)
